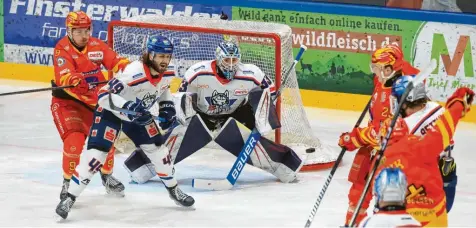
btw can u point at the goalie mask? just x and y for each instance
(228, 57)
(390, 186)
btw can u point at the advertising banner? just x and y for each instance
(340, 47)
(1, 31)
(32, 27)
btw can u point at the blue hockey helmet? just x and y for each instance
(228, 57)
(399, 86)
(390, 186)
(158, 44)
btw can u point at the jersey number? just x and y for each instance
(115, 86)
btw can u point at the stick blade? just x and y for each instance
(214, 185)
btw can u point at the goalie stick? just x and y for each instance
(244, 155)
(333, 170)
(47, 89)
(418, 79)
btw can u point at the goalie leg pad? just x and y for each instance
(278, 160)
(196, 136)
(139, 167)
(232, 138)
(160, 157)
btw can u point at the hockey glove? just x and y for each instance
(447, 167)
(465, 96)
(143, 118)
(80, 85)
(166, 114)
(357, 138)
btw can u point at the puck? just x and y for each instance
(310, 150)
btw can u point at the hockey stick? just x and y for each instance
(242, 158)
(47, 89)
(418, 79)
(333, 170)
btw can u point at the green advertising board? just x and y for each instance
(1, 30)
(340, 48)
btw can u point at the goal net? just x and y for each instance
(266, 45)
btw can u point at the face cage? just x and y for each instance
(229, 71)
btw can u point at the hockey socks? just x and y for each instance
(92, 163)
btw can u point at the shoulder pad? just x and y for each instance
(252, 70)
(204, 66)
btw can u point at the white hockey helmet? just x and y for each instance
(228, 57)
(390, 186)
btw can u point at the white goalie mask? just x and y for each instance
(228, 57)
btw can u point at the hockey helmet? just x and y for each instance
(400, 85)
(159, 44)
(390, 55)
(390, 185)
(228, 58)
(78, 19)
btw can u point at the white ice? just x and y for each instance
(30, 179)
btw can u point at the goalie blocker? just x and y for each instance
(232, 130)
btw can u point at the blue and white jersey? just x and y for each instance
(419, 122)
(136, 84)
(217, 95)
(391, 219)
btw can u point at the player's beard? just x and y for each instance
(159, 67)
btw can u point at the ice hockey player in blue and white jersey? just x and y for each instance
(390, 190)
(420, 115)
(136, 89)
(221, 100)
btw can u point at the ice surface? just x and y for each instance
(30, 179)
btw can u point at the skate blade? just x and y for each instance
(59, 219)
(116, 194)
(186, 208)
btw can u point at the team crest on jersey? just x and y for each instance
(219, 102)
(148, 99)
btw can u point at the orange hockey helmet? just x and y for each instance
(78, 19)
(390, 55)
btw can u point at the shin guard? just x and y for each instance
(160, 157)
(91, 162)
(72, 147)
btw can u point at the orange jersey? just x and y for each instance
(379, 109)
(417, 156)
(69, 61)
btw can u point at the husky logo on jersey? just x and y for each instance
(148, 99)
(219, 102)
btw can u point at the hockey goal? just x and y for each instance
(267, 45)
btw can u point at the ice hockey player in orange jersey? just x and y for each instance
(388, 64)
(390, 190)
(418, 157)
(77, 61)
